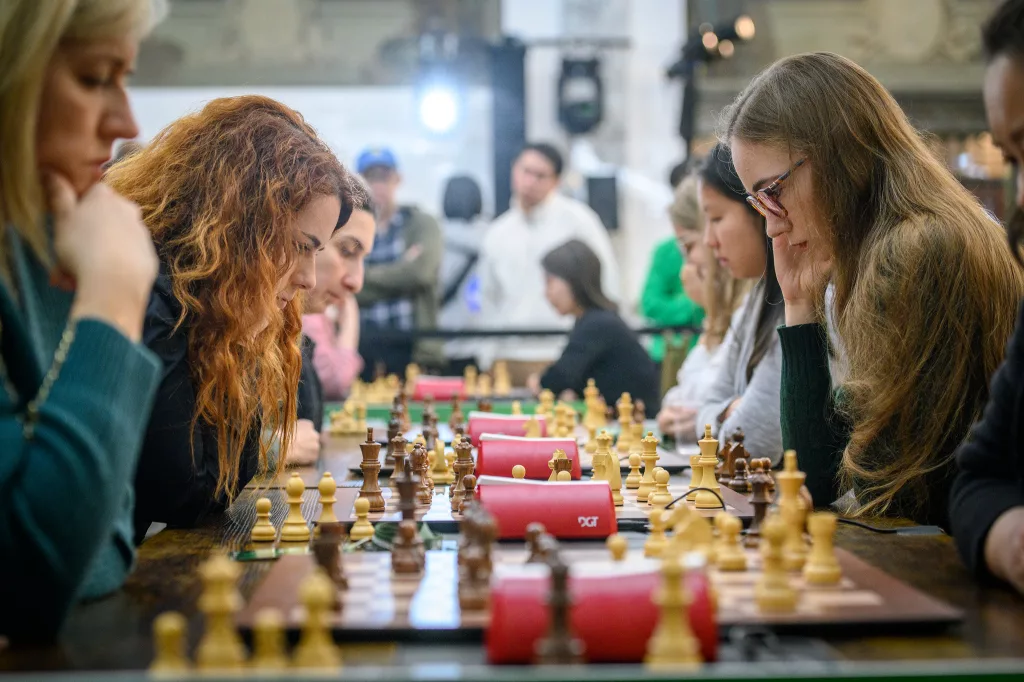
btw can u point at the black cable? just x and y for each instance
(713, 492)
(873, 529)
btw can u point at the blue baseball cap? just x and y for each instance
(380, 157)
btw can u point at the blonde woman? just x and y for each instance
(712, 288)
(78, 384)
(923, 288)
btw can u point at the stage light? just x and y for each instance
(726, 48)
(710, 40)
(439, 108)
(744, 27)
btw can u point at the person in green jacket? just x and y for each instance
(77, 385)
(663, 300)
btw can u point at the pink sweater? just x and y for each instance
(336, 366)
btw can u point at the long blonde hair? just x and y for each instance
(722, 292)
(925, 288)
(30, 32)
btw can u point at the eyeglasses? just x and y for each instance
(766, 201)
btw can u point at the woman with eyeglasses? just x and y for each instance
(745, 392)
(920, 286)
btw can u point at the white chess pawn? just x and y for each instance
(362, 528)
(656, 542)
(316, 647)
(169, 634)
(268, 641)
(729, 555)
(295, 528)
(327, 488)
(263, 530)
(822, 568)
(661, 497)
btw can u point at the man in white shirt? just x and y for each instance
(512, 279)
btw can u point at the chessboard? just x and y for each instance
(380, 605)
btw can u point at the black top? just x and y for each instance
(178, 468)
(991, 462)
(311, 393)
(601, 347)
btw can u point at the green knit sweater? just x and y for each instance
(66, 466)
(663, 301)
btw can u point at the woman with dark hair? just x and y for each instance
(239, 198)
(987, 503)
(745, 394)
(601, 347)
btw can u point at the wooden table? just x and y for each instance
(114, 634)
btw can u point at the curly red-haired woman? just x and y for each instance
(239, 198)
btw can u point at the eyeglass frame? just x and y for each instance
(771, 192)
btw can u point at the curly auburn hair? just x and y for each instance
(219, 190)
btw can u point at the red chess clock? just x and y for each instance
(497, 454)
(571, 509)
(501, 424)
(439, 388)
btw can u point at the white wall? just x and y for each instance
(349, 119)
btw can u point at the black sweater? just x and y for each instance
(991, 462)
(311, 392)
(601, 347)
(178, 468)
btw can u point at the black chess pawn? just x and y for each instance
(559, 647)
(639, 411)
(394, 430)
(759, 500)
(405, 555)
(739, 482)
(485, 405)
(534, 532)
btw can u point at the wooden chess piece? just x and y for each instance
(557, 455)
(766, 465)
(220, 647)
(464, 466)
(739, 481)
(428, 411)
(268, 641)
(456, 419)
(563, 469)
(636, 438)
(327, 552)
(656, 542)
(707, 499)
(591, 446)
(673, 644)
(517, 408)
(362, 528)
(531, 429)
(822, 568)
(625, 409)
(759, 500)
(729, 554)
(399, 456)
(660, 497)
(441, 474)
(736, 452)
(419, 468)
(485, 404)
(469, 377)
(790, 480)
(534, 532)
(316, 647)
(170, 632)
(403, 398)
(559, 647)
(295, 528)
(474, 581)
(610, 471)
(633, 478)
(327, 487)
(519, 471)
(405, 558)
(773, 592)
(483, 387)
(394, 430)
(263, 530)
(618, 546)
(650, 460)
(639, 412)
(370, 467)
(696, 474)
(469, 493)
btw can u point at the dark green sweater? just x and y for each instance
(65, 511)
(819, 433)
